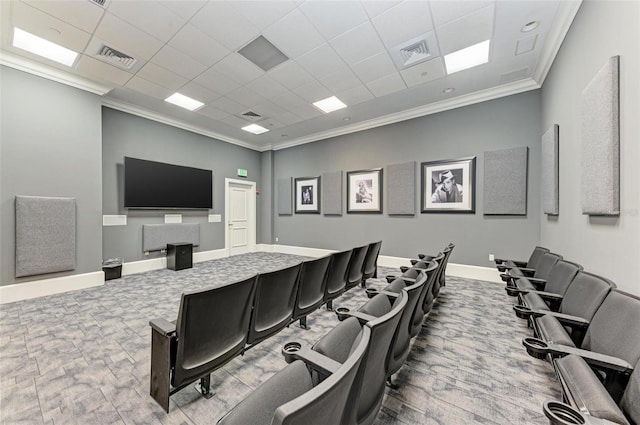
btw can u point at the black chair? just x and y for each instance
(337, 276)
(370, 267)
(367, 392)
(440, 279)
(292, 397)
(588, 400)
(580, 303)
(424, 305)
(552, 291)
(274, 303)
(210, 331)
(611, 346)
(531, 263)
(355, 275)
(537, 276)
(311, 288)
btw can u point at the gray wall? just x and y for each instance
(504, 123)
(128, 135)
(265, 199)
(606, 245)
(49, 150)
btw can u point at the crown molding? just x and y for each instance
(420, 111)
(20, 63)
(567, 11)
(154, 116)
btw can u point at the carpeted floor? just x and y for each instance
(83, 357)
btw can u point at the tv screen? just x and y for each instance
(150, 184)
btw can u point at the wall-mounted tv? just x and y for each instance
(156, 185)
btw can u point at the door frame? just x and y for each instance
(252, 213)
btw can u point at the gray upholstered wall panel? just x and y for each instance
(549, 170)
(401, 188)
(332, 193)
(155, 237)
(601, 143)
(285, 193)
(505, 182)
(45, 235)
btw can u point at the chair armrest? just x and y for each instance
(163, 326)
(550, 296)
(408, 279)
(537, 282)
(527, 272)
(524, 312)
(561, 414)
(388, 293)
(362, 317)
(319, 362)
(596, 359)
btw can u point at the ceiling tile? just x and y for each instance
(122, 35)
(245, 97)
(216, 81)
(306, 37)
(184, 8)
(403, 22)
(174, 60)
(358, 44)
(227, 105)
(198, 92)
(340, 80)
(445, 11)
(267, 108)
(234, 121)
(149, 16)
(321, 61)
(212, 112)
(81, 14)
(288, 118)
(376, 7)
(332, 18)
(307, 111)
(374, 67)
(313, 92)
(386, 85)
(291, 75)
(464, 32)
(355, 95)
(266, 86)
(40, 23)
(193, 42)
(162, 77)
(238, 68)
(221, 21)
(423, 72)
(147, 87)
(94, 67)
(263, 13)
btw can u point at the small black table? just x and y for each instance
(179, 256)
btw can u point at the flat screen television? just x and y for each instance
(156, 185)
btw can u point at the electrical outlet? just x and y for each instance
(491, 257)
(276, 239)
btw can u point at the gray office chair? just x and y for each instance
(337, 276)
(370, 267)
(355, 274)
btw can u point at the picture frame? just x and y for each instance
(364, 191)
(448, 186)
(307, 190)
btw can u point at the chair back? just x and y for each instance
(440, 279)
(354, 275)
(629, 403)
(561, 276)
(422, 308)
(585, 295)
(337, 275)
(211, 328)
(371, 260)
(546, 263)
(311, 286)
(535, 256)
(273, 303)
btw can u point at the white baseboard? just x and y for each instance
(56, 285)
(161, 263)
(304, 251)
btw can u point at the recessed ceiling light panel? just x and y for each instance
(41, 47)
(255, 129)
(469, 57)
(184, 101)
(329, 104)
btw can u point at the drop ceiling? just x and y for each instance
(349, 49)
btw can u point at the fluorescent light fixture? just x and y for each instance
(41, 47)
(467, 58)
(184, 101)
(329, 104)
(255, 129)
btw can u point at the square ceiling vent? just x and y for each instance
(263, 54)
(415, 51)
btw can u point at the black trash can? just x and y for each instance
(112, 268)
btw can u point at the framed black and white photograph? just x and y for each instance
(364, 191)
(307, 191)
(448, 185)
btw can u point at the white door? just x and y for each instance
(241, 216)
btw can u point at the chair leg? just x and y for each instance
(204, 387)
(160, 369)
(303, 322)
(391, 385)
(363, 283)
(330, 305)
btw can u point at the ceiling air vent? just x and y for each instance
(415, 51)
(115, 57)
(101, 3)
(251, 116)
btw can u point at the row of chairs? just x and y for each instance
(216, 325)
(588, 330)
(341, 378)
